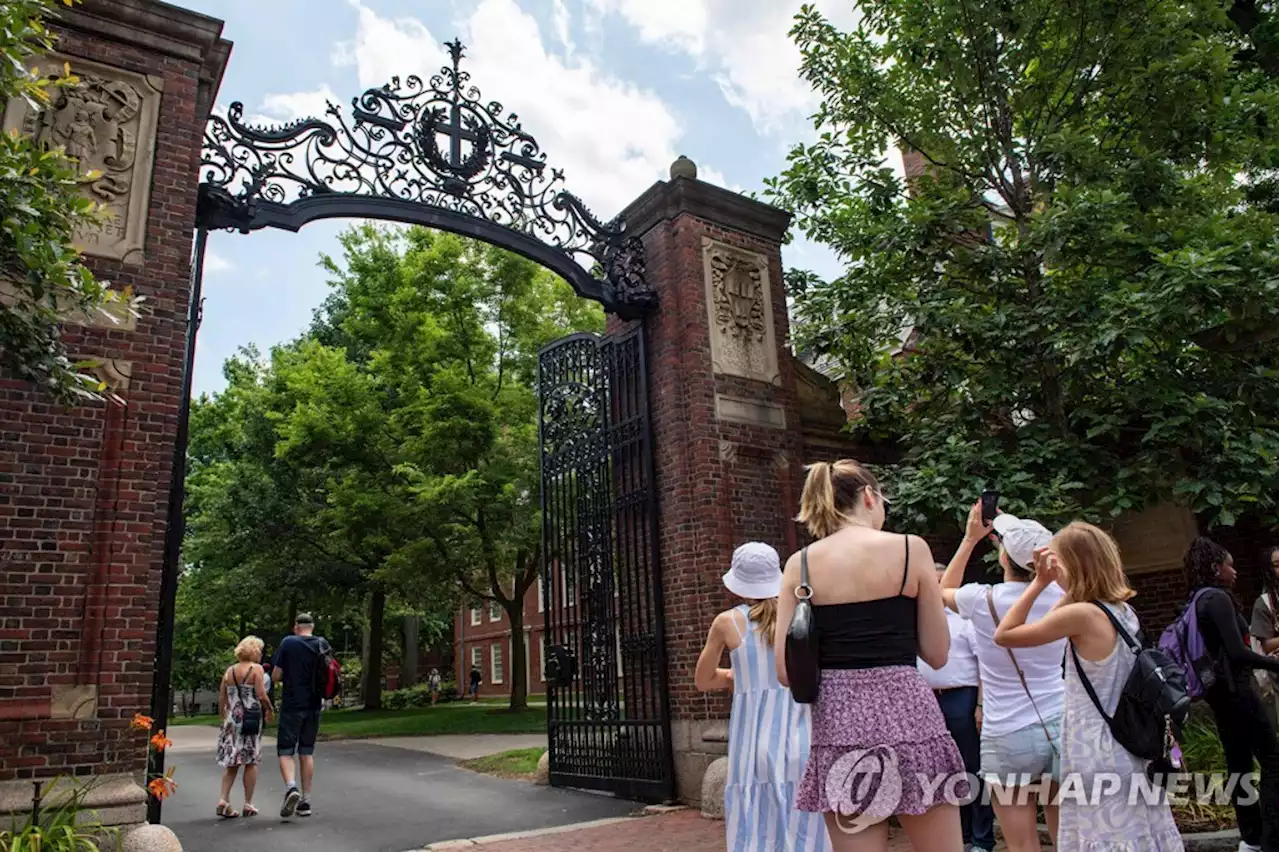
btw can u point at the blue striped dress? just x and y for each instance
(768, 748)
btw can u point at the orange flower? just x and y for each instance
(162, 788)
(141, 723)
(160, 741)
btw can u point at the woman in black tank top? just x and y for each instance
(875, 719)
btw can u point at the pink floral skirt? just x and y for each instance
(879, 747)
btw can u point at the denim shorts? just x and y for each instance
(1025, 751)
(296, 732)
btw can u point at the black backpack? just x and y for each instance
(1153, 703)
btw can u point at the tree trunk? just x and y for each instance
(409, 651)
(519, 683)
(371, 688)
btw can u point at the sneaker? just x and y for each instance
(291, 797)
(1248, 847)
(304, 808)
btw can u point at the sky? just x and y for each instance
(613, 90)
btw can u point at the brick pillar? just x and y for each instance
(84, 490)
(726, 424)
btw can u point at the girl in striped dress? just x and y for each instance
(768, 731)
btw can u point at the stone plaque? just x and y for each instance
(751, 411)
(107, 123)
(740, 312)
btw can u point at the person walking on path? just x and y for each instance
(1264, 630)
(1087, 561)
(1022, 691)
(245, 707)
(294, 668)
(876, 608)
(956, 686)
(1244, 728)
(768, 731)
(433, 684)
(474, 687)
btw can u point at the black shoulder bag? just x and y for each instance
(802, 641)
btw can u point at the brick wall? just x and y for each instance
(491, 631)
(84, 490)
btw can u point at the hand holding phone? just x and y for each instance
(990, 501)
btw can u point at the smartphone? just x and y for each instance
(990, 499)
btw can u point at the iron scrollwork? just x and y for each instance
(430, 153)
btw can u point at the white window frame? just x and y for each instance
(477, 657)
(542, 600)
(475, 615)
(495, 611)
(542, 653)
(496, 663)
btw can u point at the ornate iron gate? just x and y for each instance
(607, 721)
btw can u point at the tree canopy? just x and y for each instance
(1075, 297)
(390, 452)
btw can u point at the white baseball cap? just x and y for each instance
(1021, 538)
(755, 572)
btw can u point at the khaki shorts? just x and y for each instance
(1023, 756)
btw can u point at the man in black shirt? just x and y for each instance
(294, 667)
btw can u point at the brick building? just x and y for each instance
(84, 491)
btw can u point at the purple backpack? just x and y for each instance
(1184, 644)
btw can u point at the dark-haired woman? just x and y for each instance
(1243, 726)
(877, 607)
(1264, 630)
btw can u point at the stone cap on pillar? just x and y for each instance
(685, 194)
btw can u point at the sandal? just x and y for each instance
(249, 810)
(227, 812)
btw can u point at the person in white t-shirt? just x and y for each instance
(956, 686)
(1022, 691)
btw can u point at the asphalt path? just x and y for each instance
(369, 798)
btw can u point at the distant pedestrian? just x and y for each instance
(956, 686)
(1264, 630)
(1093, 816)
(474, 688)
(768, 731)
(294, 667)
(433, 684)
(876, 608)
(244, 706)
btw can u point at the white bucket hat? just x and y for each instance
(1021, 538)
(755, 572)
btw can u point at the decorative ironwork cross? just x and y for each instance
(453, 128)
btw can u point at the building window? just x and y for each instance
(544, 658)
(542, 599)
(477, 657)
(495, 611)
(495, 663)
(475, 614)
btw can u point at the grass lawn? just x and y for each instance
(516, 763)
(454, 718)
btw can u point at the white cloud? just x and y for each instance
(743, 44)
(612, 138)
(291, 107)
(214, 263)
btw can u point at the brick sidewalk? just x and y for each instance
(684, 830)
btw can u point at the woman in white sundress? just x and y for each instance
(1129, 816)
(768, 731)
(245, 707)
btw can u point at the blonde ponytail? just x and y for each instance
(831, 494)
(764, 614)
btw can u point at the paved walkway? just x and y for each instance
(463, 746)
(685, 830)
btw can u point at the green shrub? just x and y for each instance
(1201, 747)
(418, 696)
(59, 825)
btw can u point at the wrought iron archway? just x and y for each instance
(428, 153)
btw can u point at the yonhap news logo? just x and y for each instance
(864, 787)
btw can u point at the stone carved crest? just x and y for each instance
(106, 122)
(740, 312)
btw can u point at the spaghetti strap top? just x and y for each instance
(869, 634)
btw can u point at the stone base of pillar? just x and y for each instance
(695, 745)
(150, 838)
(115, 800)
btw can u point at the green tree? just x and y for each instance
(390, 454)
(40, 205)
(1085, 273)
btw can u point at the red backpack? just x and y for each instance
(327, 681)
